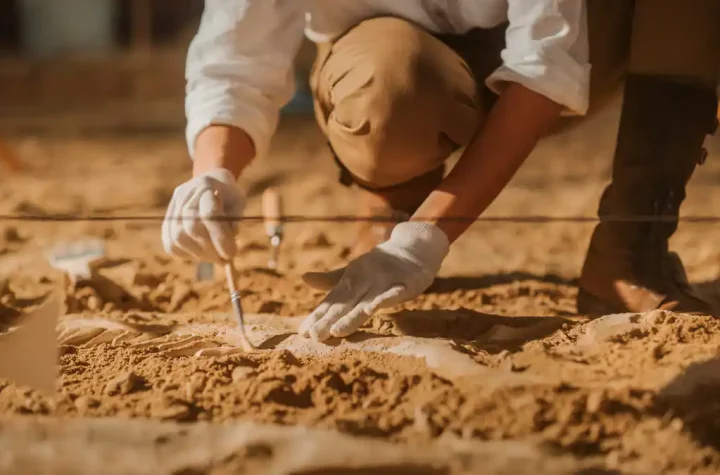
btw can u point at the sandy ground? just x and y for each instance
(489, 370)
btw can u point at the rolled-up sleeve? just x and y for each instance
(547, 52)
(240, 67)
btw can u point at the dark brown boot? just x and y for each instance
(392, 206)
(629, 267)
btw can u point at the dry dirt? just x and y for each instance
(489, 370)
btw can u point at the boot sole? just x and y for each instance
(592, 307)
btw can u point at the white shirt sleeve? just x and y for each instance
(240, 67)
(547, 52)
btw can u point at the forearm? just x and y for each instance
(221, 146)
(513, 128)
(239, 71)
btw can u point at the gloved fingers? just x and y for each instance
(174, 240)
(220, 233)
(323, 280)
(351, 322)
(188, 233)
(312, 319)
(167, 227)
(395, 296)
(196, 236)
(362, 312)
(345, 293)
(183, 243)
(234, 208)
(320, 331)
(180, 253)
(232, 203)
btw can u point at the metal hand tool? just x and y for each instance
(236, 302)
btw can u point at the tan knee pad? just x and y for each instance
(393, 100)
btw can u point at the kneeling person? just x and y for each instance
(398, 87)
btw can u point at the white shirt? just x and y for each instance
(240, 64)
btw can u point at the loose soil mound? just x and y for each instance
(489, 371)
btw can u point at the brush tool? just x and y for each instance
(204, 272)
(272, 214)
(236, 302)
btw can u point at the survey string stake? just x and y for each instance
(272, 217)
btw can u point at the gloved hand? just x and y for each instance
(396, 271)
(189, 230)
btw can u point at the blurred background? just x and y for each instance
(100, 64)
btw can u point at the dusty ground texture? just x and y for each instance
(489, 369)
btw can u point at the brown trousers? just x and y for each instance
(395, 101)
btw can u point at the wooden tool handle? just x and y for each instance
(272, 210)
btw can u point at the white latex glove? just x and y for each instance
(190, 231)
(396, 271)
